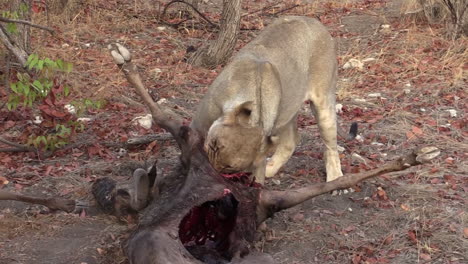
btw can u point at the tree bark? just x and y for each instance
(19, 53)
(222, 48)
(22, 37)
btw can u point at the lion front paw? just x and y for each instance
(271, 169)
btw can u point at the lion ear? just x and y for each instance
(239, 115)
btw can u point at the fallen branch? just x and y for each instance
(262, 9)
(25, 22)
(284, 10)
(17, 147)
(52, 203)
(129, 143)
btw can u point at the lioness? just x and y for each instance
(250, 109)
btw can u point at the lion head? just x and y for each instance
(232, 142)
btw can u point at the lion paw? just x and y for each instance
(270, 170)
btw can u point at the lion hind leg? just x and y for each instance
(326, 119)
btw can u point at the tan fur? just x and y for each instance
(250, 109)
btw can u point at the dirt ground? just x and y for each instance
(416, 216)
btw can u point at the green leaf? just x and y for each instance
(23, 8)
(13, 87)
(50, 63)
(31, 99)
(66, 90)
(68, 67)
(43, 139)
(38, 85)
(40, 65)
(33, 63)
(11, 28)
(13, 101)
(59, 63)
(20, 77)
(26, 90)
(30, 57)
(20, 87)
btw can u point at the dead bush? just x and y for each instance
(452, 12)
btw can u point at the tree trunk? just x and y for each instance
(221, 49)
(22, 37)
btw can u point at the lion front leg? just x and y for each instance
(285, 143)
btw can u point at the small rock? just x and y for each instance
(38, 120)
(385, 26)
(83, 119)
(358, 158)
(339, 108)
(145, 121)
(408, 84)
(87, 45)
(422, 109)
(70, 108)
(374, 95)
(360, 100)
(161, 28)
(407, 91)
(350, 209)
(368, 60)
(359, 138)
(378, 144)
(65, 45)
(276, 181)
(353, 63)
(122, 153)
(340, 148)
(162, 101)
(156, 72)
(452, 112)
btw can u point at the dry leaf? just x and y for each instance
(425, 257)
(405, 207)
(100, 251)
(412, 236)
(410, 135)
(3, 181)
(417, 131)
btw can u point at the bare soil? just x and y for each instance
(415, 216)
